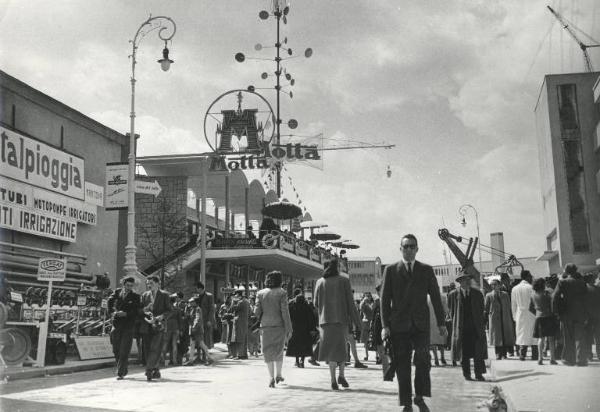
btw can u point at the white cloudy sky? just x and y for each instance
(452, 84)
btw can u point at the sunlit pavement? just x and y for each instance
(233, 386)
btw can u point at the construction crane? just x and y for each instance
(586, 57)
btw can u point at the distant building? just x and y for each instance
(568, 136)
(365, 274)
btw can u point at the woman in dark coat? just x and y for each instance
(333, 298)
(500, 321)
(303, 325)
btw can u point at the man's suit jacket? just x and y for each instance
(208, 308)
(130, 305)
(404, 298)
(161, 306)
(573, 293)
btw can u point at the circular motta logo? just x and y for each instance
(239, 121)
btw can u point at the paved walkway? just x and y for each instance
(549, 388)
(233, 386)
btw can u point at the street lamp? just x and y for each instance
(463, 211)
(166, 30)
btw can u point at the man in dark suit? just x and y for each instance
(466, 308)
(569, 302)
(124, 306)
(206, 301)
(157, 308)
(405, 317)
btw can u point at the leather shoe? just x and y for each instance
(360, 365)
(342, 381)
(335, 386)
(279, 379)
(314, 362)
(420, 402)
(468, 377)
(407, 408)
(272, 383)
(119, 378)
(480, 378)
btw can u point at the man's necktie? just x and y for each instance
(409, 269)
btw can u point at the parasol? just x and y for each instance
(282, 210)
(349, 245)
(312, 224)
(325, 235)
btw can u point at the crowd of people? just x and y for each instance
(408, 321)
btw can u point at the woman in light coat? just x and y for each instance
(275, 324)
(500, 321)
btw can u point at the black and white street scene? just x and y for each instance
(299, 205)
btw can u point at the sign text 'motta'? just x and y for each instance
(262, 160)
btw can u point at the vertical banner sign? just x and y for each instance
(116, 195)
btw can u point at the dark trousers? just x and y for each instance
(404, 344)
(121, 340)
(574, 336)
(501, 351)
(592, 335)
(534, 352)
(478, 367)
(153, 343)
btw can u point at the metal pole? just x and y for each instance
(203, 222)
(130, 267)
(278, 88)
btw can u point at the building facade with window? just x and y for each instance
(365, 274)
(568, 137)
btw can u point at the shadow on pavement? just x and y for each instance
(521, 375)
(329, 390)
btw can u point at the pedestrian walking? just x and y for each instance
(125, 307)
(468, 327)
(156, 305)
(241, 313)
(337, 312)
(592, 330)
(303, 326)
(197, 330)
(366, 316)
(569, 302)
(405, 318)
(499, 320)
(276, 326)
(172, 333)
(437, 341)
(206, 301)
(546, 324)
(525, 320)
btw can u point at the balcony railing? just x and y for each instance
(272, 240)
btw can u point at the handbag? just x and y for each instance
(256, 325)
(389, 368)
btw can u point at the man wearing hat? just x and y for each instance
(206, 301)
(124, 306)
(465, 304)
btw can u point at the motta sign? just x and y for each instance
(264, 159)
(31, 161)
(52, 269)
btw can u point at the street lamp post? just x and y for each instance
(153, 23)
(463, 211)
